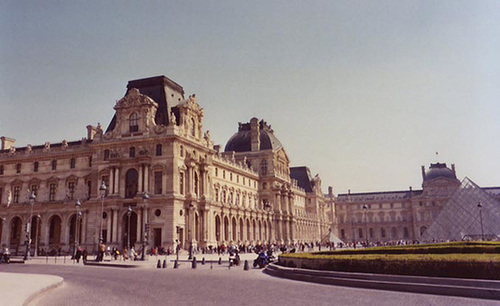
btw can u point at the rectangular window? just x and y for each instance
(35, 167)
(158, 182)
(15, 196)
(132, 152)
(34, 189)
(1, 169)
(71, 189)
(52, 192)
(72, 163)
(106, 155)
(1, 195)
(18, 168)
(54, 165)
(181, 182)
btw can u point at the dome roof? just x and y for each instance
(439, 170)
(242, 140)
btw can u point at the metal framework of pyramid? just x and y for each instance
(462, 219)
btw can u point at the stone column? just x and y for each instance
(115, 225)
(111, 180)
(117, 180)
(140, 187)
(146, 178)
(108, 226)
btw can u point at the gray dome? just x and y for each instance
(242, 140)
(439, 170)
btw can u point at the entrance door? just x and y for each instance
(157, 238)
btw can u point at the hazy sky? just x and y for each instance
(362, 92)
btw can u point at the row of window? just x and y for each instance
(15, 196)
(234, 198)
(53, 163)
(371, 232)
(244, 179)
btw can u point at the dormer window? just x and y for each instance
(134, 123)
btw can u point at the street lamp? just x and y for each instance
(191, 208)
(78, 206)
(129, 213)
(145, 198)
(480, 206)
(102, 190)
(32, 199)
(365, 209)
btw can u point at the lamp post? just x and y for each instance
(480, 206)
(191, 208)
(32, 199)
(145, 198)
(129, 213)
(102, 190)
(78, 205)
(365, 209)
(38, 218)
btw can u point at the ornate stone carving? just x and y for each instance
(133, 99)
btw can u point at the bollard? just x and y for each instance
(164, 264)
(193, 265)
(158, 265)
(46, 259)
(220, 261)
(211, 267)
(176, 264)
(203, 261)
(246, 267)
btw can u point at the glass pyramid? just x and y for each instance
(470, 214)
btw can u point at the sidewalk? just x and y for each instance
(20, 288)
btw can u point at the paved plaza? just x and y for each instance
(208, 284)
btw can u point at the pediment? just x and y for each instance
(134, 99)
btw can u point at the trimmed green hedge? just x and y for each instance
(460, 259)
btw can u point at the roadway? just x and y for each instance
(206, 285)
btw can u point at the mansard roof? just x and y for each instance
(157, 88)
(303, 177)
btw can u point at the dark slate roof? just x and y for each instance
(303, 177)
(242, 142)
(155, 88)
(378, 196)
(439, 170)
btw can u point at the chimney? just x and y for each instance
(255, 134)
(91, 130)
(330, 190)
(453, 169)
(423, 172)
(7, 142)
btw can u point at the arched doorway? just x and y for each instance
(241, 230)
(131, 183)
(15, 234)
(217, 228)
(260, 230)
(196, 227)
(55, 232)
(133, 229)
(73, 231)
(249, 236)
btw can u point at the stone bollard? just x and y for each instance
(211, 267)
(158, 265)
(193, 264)
(203, 261)
(176, 264)
(220, 261)
(164, 264)
(246, 267)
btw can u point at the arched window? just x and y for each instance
(134, 123)
(382, 232)
(72, 163)
(422, 230)
(193, 128)
(360, 233)
(131, 183)
(342, 234)
(158, 150)
(405, 232)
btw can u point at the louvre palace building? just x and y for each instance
(154, 175)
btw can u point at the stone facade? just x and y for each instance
(397, 215)
(155, 145)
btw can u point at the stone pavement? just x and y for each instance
(20, 289)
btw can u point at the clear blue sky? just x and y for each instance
(362, 92)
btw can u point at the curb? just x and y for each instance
(473, 288)
(39, 292)
(100, 264)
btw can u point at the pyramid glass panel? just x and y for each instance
(470, 214)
